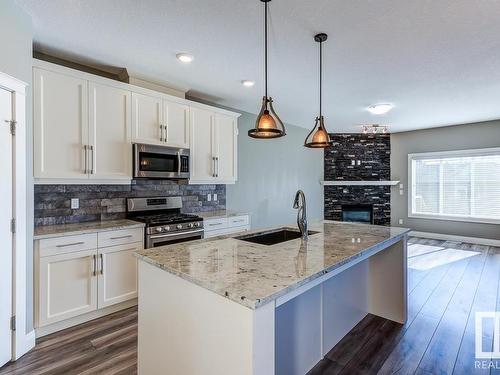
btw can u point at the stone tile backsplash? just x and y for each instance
(108, 202)
(358, 157)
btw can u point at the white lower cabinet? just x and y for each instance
(226, 225)
(72, 281)
(117, 280)
(67, 286)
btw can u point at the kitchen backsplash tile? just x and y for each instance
(108, 202)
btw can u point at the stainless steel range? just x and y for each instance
(165, 224)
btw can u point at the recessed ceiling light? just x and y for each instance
(184, 57)
(380, 109)
(247, 83)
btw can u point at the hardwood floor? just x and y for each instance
(447, 283)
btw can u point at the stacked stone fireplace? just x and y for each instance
(361, 158)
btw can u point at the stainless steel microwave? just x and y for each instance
(160, 162)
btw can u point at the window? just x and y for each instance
(455, 185)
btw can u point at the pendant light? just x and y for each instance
(318, 137)
(268, 124)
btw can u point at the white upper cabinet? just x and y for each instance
(84, 127)
(202, 146)
(159, 121)
(109, 133)
(60, 114)
(147, 119)
(175, 124)
(226, 141)
(213, 147)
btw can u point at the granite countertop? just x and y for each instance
(252, 274)
(61, 230)
(220, 214)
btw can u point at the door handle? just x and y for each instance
(102, 264)
(94, 259)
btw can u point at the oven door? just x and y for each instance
(155, 240)
(160, 162)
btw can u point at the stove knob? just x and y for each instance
(190, 225)
(196, 225)
(159, 229)
(179, 226)
(167, 228)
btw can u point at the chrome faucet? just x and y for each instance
(300, 204)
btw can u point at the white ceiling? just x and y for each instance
(437, 61)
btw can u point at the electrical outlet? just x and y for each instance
(401, 192)
(215, 197)
(75, 203)
(359, 162)
(401, 186)
(353, 162)
(209, 197)
(400, 221)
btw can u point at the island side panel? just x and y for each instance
(186, 329)
(388, 282)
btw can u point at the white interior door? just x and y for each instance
(5, 233)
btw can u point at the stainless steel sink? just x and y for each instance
(272, 237)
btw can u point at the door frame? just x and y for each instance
(22, 341)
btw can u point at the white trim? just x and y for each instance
(359, 183)
(443, 154)
(69, 181)
(450, 237)
(22, 341)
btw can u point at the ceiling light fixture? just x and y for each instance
(318, 136)
(380, 109)
(268, 125)
(375, 129)
(247, 83)
(184, 57)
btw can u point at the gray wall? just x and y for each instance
(269, 174)
(15, 60)
(459, 137)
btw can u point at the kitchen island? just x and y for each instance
(228, 306)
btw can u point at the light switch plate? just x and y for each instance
(401, 192)
(401, 186)
(209, 197)
(75, 203)
(215, 197)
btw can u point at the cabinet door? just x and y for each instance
(202, 146)
(226, 133)
(146, 119)
(117, 274)
(110, 113)
(60, 116)
(67, 286)
(176, 123)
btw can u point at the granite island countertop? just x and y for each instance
(219, 214)
(50, 231)
(253, 274)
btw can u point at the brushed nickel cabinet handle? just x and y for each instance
(217, 161)
(166, 133)
(213, 169)
(121, 237)
(85, 162)
(94, 259)
(102, 264)
(70, 244)
(92, 162)
(161, 133)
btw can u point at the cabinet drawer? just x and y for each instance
(238, 221)
(67, 244)
(214, 224)
(120, 237)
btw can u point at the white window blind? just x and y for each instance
(457, 185)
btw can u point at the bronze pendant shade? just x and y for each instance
(268, 125)
(318, 137)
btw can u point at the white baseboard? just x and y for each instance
(58, 326)
(450, 237)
